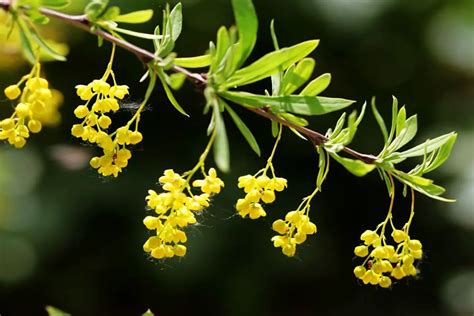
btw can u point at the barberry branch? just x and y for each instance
(145, 56)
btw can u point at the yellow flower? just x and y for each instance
(258, 189)
(384, 261)
(95, 124)
(211, 184)
(36, 107)
(293, 230)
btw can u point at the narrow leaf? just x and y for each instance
(193, 62)
(431, 190)
(317, 86)
(135, 17)
(221, 144)
(356, 167)
(442, 154)
(405, 135)
(401, 120)
(53, 311)
(55, 4)
(271, 64)
(170, 95)
(275, 128)
(427, 146)
(380, 120)
(292, 103)
(176, 19)
(298, 76)
(244, 130)
(247, 24)
(25, 42)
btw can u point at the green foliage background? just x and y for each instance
(72, 240)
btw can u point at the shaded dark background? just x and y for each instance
(71, 239)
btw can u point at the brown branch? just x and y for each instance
(81, 22)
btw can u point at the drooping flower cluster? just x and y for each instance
(37, 105)
(384, 262)
(259, 189)
(101, 100)
(175, 209)
(292, 231)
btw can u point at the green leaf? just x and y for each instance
(421, 149)
(176, 80)
(356, 167)
(223, 42)
(294, 119)
(321, 168)
(169, 94)
(270, 64)
(37, 17)
(442, 155)
(221, 144)
(52, 311)
(380, 120)
(338, 127)
(278, 77)
(94, 9)
(394, 121)
(138, 34)
(244, 130)
(55, 4)
(317, 86)
(45, 46)
(298, 75)
(247, 24)
(292, 103)
(275, 127)
(176, 19)
(25, 42)
(135, 17)
(193, 62)
(401, 120)
(111, 13)
(408, 131)
(422, 185)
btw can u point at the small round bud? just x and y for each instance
(385, 282)
(280, 226)
(398, 235)
(22, 110)
(77, 130)
(81, 111)
(359, 271)
(12, 92)
(104, 121)
(34, 126)
(361, 251)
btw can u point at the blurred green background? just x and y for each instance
(71, 239)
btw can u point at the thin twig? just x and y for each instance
(145, 56)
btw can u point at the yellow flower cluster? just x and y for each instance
(96, 122)
(175, 209)
(293, 231)
(384, 262)
(37, 105)
(258, 188)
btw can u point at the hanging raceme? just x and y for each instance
(101, 99)
(176, 206)
(223, 72)
(260, 188)
(385, 262)
(35, 105)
